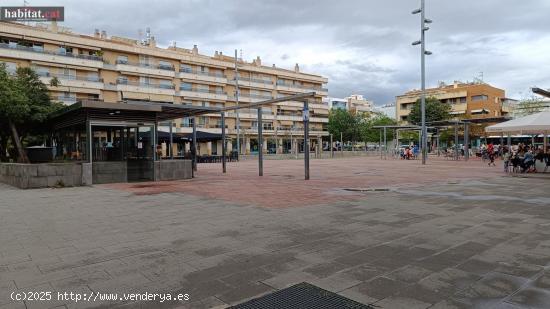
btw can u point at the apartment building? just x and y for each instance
(355, 103)
(468, 100)
(117, 69)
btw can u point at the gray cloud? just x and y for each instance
(362, 46)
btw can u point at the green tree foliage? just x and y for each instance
(435, 111)
(371, 134)
(24, 106)
(343, 122)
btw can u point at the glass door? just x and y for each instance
(139, 155)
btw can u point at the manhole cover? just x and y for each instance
(302, 296)
(367, 189)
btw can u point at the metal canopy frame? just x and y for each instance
(139, 112)
(303, 97)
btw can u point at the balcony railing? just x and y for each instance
(203, 90)
(49, 52)
(301, 86)
(144, 85)
(147, 65)
(190, 71)
(255, 80)
(71, 77)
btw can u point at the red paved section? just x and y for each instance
(283, 183)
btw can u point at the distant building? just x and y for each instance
(468, 100)
(387, 110)
(358, 104)
(336, 103)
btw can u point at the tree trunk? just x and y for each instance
(20, 151)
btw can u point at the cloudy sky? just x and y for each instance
(362, 46)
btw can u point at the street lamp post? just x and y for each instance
(423, 53)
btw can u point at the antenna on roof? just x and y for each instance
(241, 55)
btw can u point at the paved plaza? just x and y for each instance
(390, 233)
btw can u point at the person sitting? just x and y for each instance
(528, 162)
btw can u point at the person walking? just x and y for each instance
(491, 153)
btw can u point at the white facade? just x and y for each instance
(388, 110)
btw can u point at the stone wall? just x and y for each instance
(109, 172)
(28, 176)
(173, 170)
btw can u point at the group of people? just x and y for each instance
(519, 158)
(409, 152)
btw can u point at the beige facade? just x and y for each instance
(358, 104)
(468, 100)
(115, 69)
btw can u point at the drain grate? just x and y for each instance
(367, 189)
(302, 296)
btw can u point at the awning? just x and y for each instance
(458, 112)
(290, 108)
(533, 124)
(286, 122)
(479, 111)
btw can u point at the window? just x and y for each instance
(93, 77)
(166, 84)
(203, 88)
(144, 80)
(186, 68)
(165, 65)
(204, 69)
(38, 47)
(122, 59)
(11, 67)
(186, 86)
(463, 100)
(122, 80)
(144, 60)
(185, 122)
(68, 73)
(479, 98)
(205, 104)
(219, 89)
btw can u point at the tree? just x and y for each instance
(343, 122)
(371, 134)
(531, 105)
(24, 105)
(435, 111)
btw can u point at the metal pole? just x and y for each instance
(331, 149)
(260, 143)
(423, 69)
(509, 142)
(155, 141)
(224, 169)
(171, 150)
(306, 138)
(437, 141)
(89, 137)
(194, 145)
(385, 145)
(545, 141)
(380, 144)
(467, 141)
(237, 102)
(342, 143)
(456, 140)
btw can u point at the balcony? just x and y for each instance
(203, 76)
(203, 94)
(302, 89)
(40, 54)
(255, 83)
(250, 98)
(72, 80)
(145, 68)
(125, 85)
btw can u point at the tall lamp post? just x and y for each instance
(423, 53)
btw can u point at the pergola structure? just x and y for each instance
(466, 123)
(117, 117)
(396, 128)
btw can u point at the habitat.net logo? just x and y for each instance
(32, 13)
